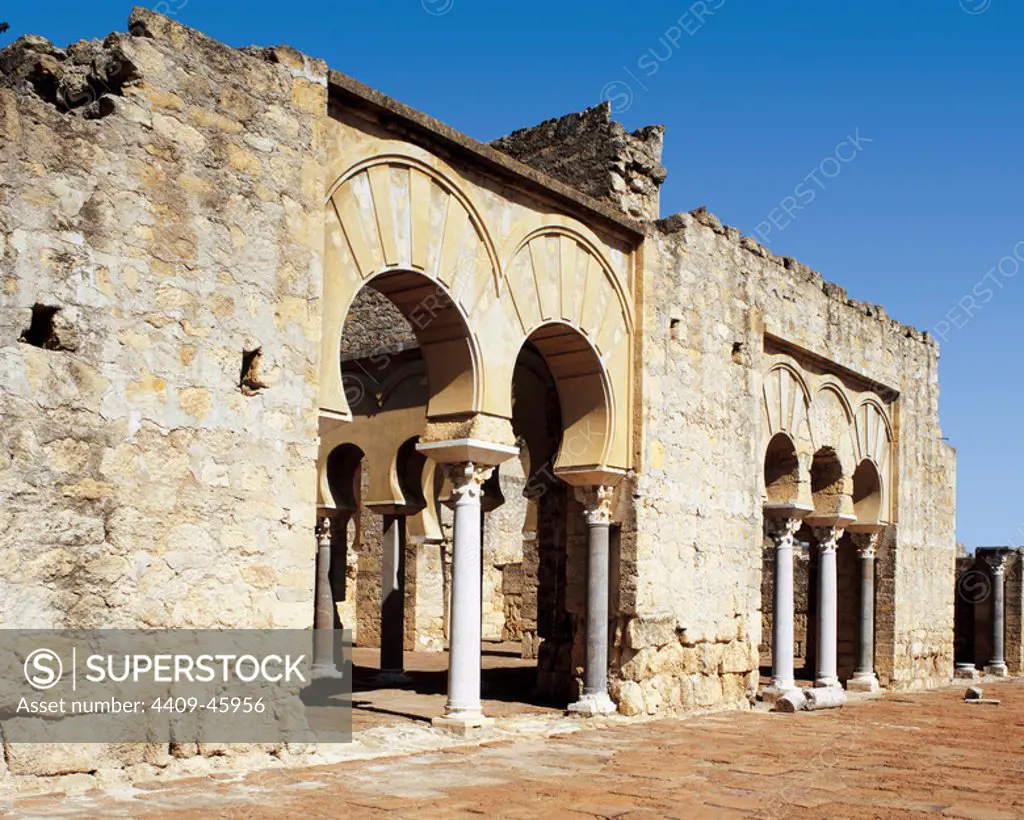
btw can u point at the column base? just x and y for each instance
(775, 692)
(593, 705)
(464, 724)
(997, 670)
(390, 678)
(867, 682)
(827, 683)
(966, 671)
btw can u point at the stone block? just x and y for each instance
(649, 633)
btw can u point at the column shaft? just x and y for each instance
(323, 617)
(464, 642)
(595, 680)
(392, 595)
(782, 615)
(998, 619)
(866, 655)
(594, 700)
(997, 664)
(864, 678)
(781, 531)
(828, 604)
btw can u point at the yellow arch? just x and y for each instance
(563, 281)
(443, 181)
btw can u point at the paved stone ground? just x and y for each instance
(504, 679)
(920, 755)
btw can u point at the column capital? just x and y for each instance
(996, 562)
(467, 477)
(323, 531)
(866, 543)
(828, 537)
(597, 503)
(782, 530)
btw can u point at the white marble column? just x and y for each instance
(463, 710)
(997, 663)
(597, 503)
(864, 678)
(467, 463)
(828, 605)
(782, 531)
(323, 618)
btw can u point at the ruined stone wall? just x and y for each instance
(425, 596)
(1015, 613)
(503, 547)
(700, 484)
(161, 232)
(597, 157)
(375, 328)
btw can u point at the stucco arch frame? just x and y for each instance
(345, 274)
(846, 450)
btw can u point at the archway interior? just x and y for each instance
(524, 543)
(781, 471)
(867, 493)
(343, 464)
(409, 466)
(827, 483)
(583, 396)
(405, 315)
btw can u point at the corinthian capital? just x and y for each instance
(827, 537)
(866, 544)
(597, 503)
(997, 562)
(782, 530)
(323, 531)
(466, 477)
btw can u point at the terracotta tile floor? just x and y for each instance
(914, 755)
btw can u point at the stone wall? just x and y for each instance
(1015, 613)
(161, 218)
(161, 233)
(503, 547)
(597, 157)
(699, 488)
(374, 328)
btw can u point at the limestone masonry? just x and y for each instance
(277, 350)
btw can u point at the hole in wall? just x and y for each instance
(42, 329)
(673, 328)
(249, 381)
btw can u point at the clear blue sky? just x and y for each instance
(753, 99)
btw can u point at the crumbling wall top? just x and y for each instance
(680, 223)
(596, 156)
